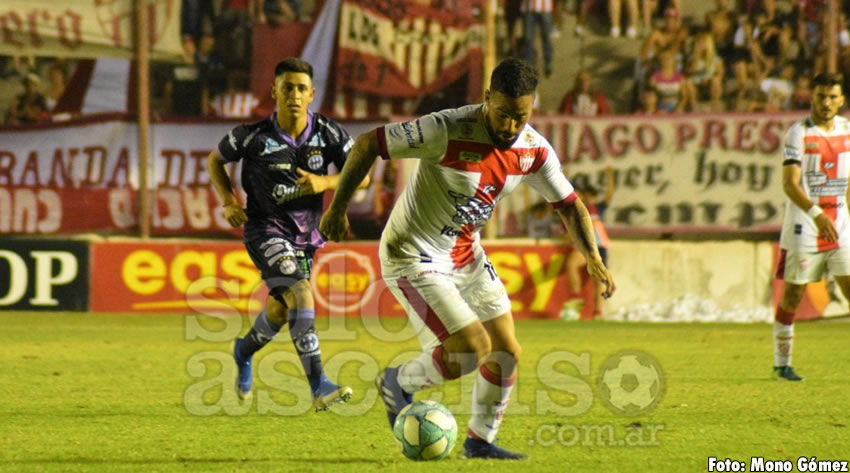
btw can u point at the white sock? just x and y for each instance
(424, 371)
(489, 402)
(783, 337)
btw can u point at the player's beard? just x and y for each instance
(498, 140)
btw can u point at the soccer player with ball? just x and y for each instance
(431, 256)
(816, 230)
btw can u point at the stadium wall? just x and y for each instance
(659, 281)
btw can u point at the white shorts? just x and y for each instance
(440, 304)
(798, 267)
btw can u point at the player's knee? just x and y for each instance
(276, 311)
(481, 347)
(792, 295)
(302, 292)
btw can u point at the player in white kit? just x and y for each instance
(816, 231)
(431, 255)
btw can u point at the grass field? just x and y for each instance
(154, 394)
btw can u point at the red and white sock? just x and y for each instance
(425, 371)
(783, 337)
(490, 398)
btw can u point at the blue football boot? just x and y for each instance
(328, 394)
(394, 397)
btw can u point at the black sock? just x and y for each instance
(302, 329)
(263, 331)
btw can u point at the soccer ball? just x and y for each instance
(425, 430)
(631, 383)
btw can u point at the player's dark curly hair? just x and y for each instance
(828, 79)
(293, 64)
(514, 78)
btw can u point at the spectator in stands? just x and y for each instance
(57, 86)
(756, 101)
(582, 9)
(237, 101)
(233, 31)
(722, 23)
(195, 15)
(584, 100)
(672, 86)
(779, 88)
(801, 98)
(747, 57)
(649, 102)
(538, 13)
(30, 106)
(185, 93)
(670, 36)
(512, 16)
(614, 10)
(650, 7)
(706, 71)
(539, 221)
(211, 65)
(280, 12)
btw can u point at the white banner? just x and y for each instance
(677, 173)
(86, 28)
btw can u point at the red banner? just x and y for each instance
(220, 277)
(404, 50)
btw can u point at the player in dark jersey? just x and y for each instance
(288, 161)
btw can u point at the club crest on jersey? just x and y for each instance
(470, 157)
(525, 162)
(272, 146)
(314, 160)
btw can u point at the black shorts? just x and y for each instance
(280, 265)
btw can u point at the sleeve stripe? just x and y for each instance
(791, 161)
(381, 132)
(569, 200)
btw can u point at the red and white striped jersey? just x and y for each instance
(460, 177)
(824, 159)
(544, 6)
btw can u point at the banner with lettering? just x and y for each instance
(679, 173)
(87, 28)
(219, 277)
(402, 49)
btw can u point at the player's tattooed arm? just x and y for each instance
(579, 225)
(360, 159)
(233, 211)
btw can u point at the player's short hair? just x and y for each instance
(514, 78)
(293, 64)
(828, 79)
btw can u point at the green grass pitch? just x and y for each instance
(117, 393)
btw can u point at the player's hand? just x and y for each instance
(826, 229)
(234, 214)
(597, 270)
(334, 225)
(310, 183)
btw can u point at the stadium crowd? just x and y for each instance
(744, 55)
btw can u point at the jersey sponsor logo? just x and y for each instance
(283, 193)
(448, 231)
(809, 146)
(488, 189)
(829, 165)
(315, 160)
(525, 163)
(470, 209)
(408, 129)
(470, 156)
(280, 166)
(272, 146)
(316, 141)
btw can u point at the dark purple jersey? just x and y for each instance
(270, 159)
